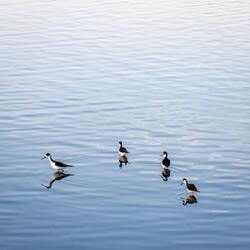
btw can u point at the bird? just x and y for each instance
(56, 177)
(190, 187)
(57, 165)
(165, 161)
(122, 151)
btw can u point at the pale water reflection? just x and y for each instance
(123, 160)
(190, 199)
(165, 174)
(56, 176)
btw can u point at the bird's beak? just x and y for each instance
(43, 157)
(182, 183)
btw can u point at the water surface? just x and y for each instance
(78, 77)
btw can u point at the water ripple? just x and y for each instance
(77, 77)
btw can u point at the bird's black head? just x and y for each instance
(120, 142)
(165, 153)
(46, 156)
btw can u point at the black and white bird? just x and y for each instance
(165, 161)
(190, 187)
(122, 150)
(57, 165)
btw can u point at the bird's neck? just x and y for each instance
(50, 159)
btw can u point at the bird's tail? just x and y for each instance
(69, 166)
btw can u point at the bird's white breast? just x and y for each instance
(122, 153)
(53, 165)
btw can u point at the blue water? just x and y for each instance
(76, 77)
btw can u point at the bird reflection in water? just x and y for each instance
(56, 176)
(123, 160)
(190, 199)
(165, 173)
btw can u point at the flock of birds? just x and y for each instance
(59, 167)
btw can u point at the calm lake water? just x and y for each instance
(76, 77)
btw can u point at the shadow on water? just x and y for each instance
(123, 160)
(56, 176)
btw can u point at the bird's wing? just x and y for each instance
(166, 162)
(124, 150)
(62, 165)
(192, 187)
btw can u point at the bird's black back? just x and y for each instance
(123, 150)
(192, 187)
(62, 165)
(166, 162)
